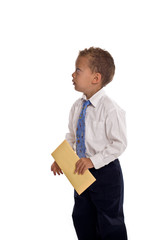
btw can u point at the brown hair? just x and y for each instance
(100, 61)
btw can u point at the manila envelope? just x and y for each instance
(66, 158)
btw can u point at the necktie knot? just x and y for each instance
(86, 104)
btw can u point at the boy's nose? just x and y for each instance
(73, 75)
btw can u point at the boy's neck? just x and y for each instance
(90, 94)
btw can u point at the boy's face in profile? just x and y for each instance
(83, 77)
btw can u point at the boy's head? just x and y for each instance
(94, 69)
(100, 61)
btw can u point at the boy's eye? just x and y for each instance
(78, 70)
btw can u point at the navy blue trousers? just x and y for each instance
(98, 211)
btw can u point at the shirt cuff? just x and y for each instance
(97, 161)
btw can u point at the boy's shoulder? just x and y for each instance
(77, 102)
(109, 104)
(104, 101)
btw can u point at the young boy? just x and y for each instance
(97, 133)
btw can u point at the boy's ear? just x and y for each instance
(97, 78)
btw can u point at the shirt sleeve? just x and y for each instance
(70, 136)
(115, 125)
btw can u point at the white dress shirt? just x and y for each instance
(105, 129)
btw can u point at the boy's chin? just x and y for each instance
(77, 89)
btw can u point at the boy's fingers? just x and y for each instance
(51, 167)
(76, 165)
(56, 169)
(79, 166)
(56, 172)
(83, 170)
(59, 170)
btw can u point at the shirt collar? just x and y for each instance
(95, 98)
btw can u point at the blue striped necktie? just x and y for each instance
(80, 133)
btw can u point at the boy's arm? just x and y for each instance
(70, 136)
(116, 133)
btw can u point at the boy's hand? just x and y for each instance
(82, 165)
(56, 169)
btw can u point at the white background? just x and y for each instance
(39, 42)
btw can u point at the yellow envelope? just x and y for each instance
(66, 158)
